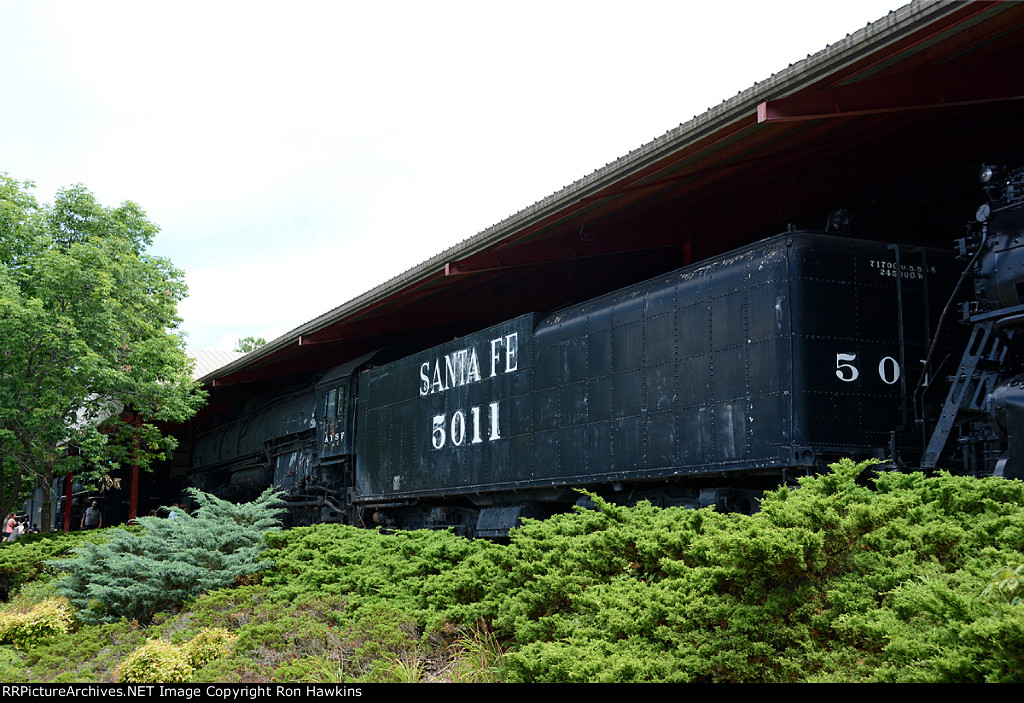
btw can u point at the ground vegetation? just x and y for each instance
(850, 577)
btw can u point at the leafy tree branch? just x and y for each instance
(90, 328)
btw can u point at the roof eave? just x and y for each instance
(830, 61)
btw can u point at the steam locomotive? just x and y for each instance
(704, 386)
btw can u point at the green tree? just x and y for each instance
(249, 344)
(89, 353)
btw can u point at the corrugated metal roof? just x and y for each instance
(209, 360)
(873, 38)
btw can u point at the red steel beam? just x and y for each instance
(979, 79)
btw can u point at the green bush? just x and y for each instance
(50, 618)
(12, 666)
(88, 653)
(137, 574)
(211, 643)
(160, 661)
(26, 559)
(156, 661)
(371, 569)
(896, 577)
(831, 581)
(837, 580)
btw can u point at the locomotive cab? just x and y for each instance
(334, 413)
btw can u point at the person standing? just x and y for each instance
(92, 518)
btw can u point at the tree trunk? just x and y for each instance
(45, 484)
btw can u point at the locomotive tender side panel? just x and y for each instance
(449, 419)
(863, 313)
(755, 361)
(669, 383)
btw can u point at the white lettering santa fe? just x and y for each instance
(462, 367)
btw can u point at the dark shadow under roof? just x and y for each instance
(891, 123)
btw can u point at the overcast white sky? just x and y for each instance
(296, 154)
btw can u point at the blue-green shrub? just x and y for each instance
(136, 574)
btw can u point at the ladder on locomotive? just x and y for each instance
(976, 377)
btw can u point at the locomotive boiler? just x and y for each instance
(704, 386)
